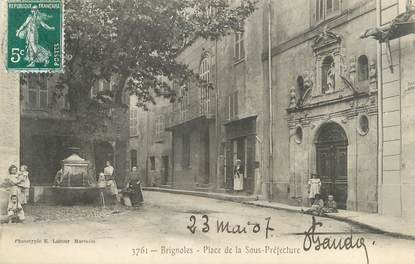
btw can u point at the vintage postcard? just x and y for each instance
(207, 131)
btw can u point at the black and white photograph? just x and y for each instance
(207, 131)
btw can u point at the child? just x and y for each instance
(331, 206)
(101, 180)
(101, 184)
(24, 184)
(15, 210)
(317, 207)
(314, 187)
(13, 180)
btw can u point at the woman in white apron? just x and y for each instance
(238, 177)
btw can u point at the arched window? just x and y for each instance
(299, 134)
(300, 89)
(328, 79)
(204, 75)
(363, 68)
(204, 70)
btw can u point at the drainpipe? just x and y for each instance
(380, 111)
(217, 132)
(271, 163)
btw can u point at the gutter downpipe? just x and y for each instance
(380, 112)
(217, 128)
(271, 163)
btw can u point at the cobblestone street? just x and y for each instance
(158, 230)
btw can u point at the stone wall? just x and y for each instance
(9, 111)
(397, 181)
(9, 104)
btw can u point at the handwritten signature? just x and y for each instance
(311, 239)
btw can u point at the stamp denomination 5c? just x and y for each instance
(35, 35)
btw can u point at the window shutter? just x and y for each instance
(235, 103)
(229, 165)
(231, 107)
(242, 46)
(250, 161)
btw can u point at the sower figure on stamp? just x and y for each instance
(30, 32)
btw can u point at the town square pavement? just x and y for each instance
(173, 228)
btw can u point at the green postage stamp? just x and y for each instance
(35, 35)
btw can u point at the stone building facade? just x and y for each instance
(324, 101)
(150, 144)
(213, 125)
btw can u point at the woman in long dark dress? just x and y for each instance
(133, 189)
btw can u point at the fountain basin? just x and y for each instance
(84, 195)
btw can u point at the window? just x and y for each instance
(184, 103)
(159, 126)
(102, 85)
(204, 74)
(152, 163)
(363, 126)
(204, 71)
(133, 158)
(363, 68)
(325, 8)
(233, 105)
(185, 151)
(300, 89)
(134, 122)
(328, 79)
(37, 91)
(239, 50)
(299, 135)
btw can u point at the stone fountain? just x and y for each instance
(75, 186)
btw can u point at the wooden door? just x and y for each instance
(165, 170)
(332, 169)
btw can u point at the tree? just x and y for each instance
(137, 42)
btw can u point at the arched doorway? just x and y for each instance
(331, 150)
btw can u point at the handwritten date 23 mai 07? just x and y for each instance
(221, 226)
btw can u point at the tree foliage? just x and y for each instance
(137, 41)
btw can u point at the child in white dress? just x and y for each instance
(314, 187)
(24, 184)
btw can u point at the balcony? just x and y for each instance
(193, 111)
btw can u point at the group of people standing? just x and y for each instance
(17, 184)
(131, 194)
